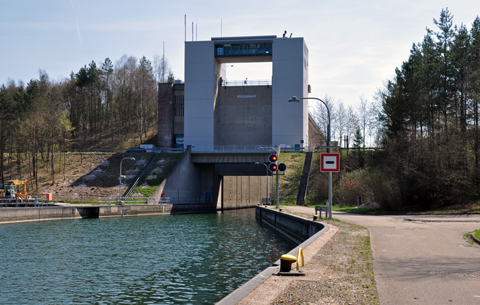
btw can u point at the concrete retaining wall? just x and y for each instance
(297, 228)
(76, 212)
(132, 210)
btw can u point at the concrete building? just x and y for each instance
(223, 124)
(210, 114)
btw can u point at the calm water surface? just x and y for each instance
(174, 259)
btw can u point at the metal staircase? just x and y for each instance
(133, 184)
(302, 188)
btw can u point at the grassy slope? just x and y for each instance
(291, 178)
(290, 181)
(171, 161)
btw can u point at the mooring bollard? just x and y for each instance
(286, 262)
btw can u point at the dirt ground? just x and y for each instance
(340, 273)
(87, 176)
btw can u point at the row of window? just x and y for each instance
(243, 49)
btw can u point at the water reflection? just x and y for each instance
(180, 259)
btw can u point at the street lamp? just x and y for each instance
(266, 197)
(278, 204)
(295, 99)
(120, 178)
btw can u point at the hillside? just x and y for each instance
(83, 177)
(317, 190)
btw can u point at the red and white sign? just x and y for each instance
(330, 162)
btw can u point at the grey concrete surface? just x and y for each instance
(421, 259)
(22, 214)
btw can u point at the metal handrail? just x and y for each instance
(123, 199)
(131, 187)
(227, 83)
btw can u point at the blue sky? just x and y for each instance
(354, 45)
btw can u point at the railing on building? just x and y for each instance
(249, 148)
(246, 82)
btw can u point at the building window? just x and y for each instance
(243, 49)
(178, 103)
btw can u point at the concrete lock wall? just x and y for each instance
(26, 214)
(22, 214)
(299, 229)
(244, 191)
(243, 114)
(184, 181)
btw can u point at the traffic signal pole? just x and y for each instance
(278, 199)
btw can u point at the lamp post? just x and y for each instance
(120, 178)
(295, 99)
(266, 197)
(276, 152)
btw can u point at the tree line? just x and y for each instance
(426, 122)
(348, 123)
(101, 105)
(431, 120)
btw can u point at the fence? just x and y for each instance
(250, 148)
(246, 83)
(19, 202)
(127, 200)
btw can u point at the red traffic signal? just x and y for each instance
(282, 167)
(273, 158)
(272, 167)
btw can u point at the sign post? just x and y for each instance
(330, 162)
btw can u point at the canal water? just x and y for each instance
(170, 259)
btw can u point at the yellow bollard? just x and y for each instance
(286, 262)
(300, 252)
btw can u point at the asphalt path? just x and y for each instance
(421, 259)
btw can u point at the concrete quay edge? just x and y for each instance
(33, 214)
(257, 290)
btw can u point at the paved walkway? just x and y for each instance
(421, 259)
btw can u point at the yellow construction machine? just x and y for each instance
(12, 189)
